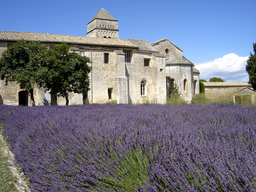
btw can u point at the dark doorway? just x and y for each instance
(23, 98)
(54, 99)
(168, 84)
(110, 91)
(1, 100)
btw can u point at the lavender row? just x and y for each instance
(134, 147)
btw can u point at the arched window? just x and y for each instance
(143, 88)
(195, 84)
(185, 85)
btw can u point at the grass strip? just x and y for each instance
(7, 179)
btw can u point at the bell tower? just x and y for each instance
(103, 25)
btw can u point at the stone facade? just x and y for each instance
(178, 70)
(214, 90)
(236, 91)
(125, 71)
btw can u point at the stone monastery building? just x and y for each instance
(126, 71)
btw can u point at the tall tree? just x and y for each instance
(216, 79)
(64, 72)
(251, 67)
(20, 63)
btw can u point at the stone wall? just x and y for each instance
(196, 78)
(101, 28)
(153, 75)
(215, 90)
(169, 50)
(124, 78)
(179, 73)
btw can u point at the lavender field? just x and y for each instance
(134, 147)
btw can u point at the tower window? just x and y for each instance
(166, 51)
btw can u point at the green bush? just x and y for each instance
(202, 89)
(200, 99)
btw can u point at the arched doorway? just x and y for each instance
(23, 98)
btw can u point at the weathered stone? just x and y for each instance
(126, 71)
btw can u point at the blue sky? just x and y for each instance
(216, 35)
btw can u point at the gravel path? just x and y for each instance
(20, 183)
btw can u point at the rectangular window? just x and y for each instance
(106, 57)
(146, 62)
(110, 91)
(128, 55)
(82, 53)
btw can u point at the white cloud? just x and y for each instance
(230, 67)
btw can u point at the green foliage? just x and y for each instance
(112, 101)
(216, 79)
(202, 80)
(7, 180)
(174, 96)
(251, 67)
(20, 63)
(64, 72)
(58, 70)
(131, 173)
(173, 89)
(202, 89)
(200, 99)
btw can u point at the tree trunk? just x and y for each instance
(31, 94)
(67, 101)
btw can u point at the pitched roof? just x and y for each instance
(46, 37)
(165, 39)
(179, 61)
(195, 70)
(226, 84)
(103, 14)
(243, 90)
(143, 45)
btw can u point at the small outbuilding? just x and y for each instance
(245, 96)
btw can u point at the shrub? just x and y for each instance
(200, 99)
(202, 89)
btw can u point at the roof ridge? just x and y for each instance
(187, 59)
(103, 14)
(46, 37)
(165, 39)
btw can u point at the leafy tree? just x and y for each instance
(64, 72)
(202, 80)
(216, 79)
(202, 88)
(251, 67)
(20, 63)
